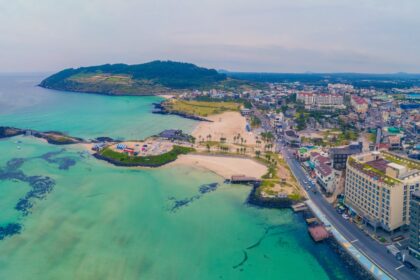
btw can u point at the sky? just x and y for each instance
(369, 36)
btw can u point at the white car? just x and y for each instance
(345, 216)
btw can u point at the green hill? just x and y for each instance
(141, 79)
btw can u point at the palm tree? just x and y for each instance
(208, 147)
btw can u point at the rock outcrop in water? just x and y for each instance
(52, 137)
(203, 189)
(40, 186)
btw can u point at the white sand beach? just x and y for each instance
(223, 166)
(227, 125)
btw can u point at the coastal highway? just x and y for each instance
(374, 251)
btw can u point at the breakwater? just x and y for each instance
(52, 137)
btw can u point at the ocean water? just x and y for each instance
(81, 218)
(25, 105)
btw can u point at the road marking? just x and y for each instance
(354, 241)
(401, 266)
(399, 244)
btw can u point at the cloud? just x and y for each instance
(242, 35)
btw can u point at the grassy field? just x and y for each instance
(123, 158)
(201, 108)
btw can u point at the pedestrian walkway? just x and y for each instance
(376, 271)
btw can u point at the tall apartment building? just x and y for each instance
(320, 99)
(414, 245)
(359, 104)
(306, 97)
(379, 186)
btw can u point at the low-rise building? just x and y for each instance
(339, 155)
(291, 138)
(324, 173)
(378, 188)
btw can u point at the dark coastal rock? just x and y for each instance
(6, 132)
(203, 189)
(63, 162)
(104, 139)
(159, 108)
(52, 137)
(183, 202)
(14, 163)
(208, 188)
(9, 230)
(349, 261)
(245, 258)
(41, 186)
(278, 203)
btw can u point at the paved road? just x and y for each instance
(376, 252)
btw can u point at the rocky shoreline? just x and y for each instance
(52, 137)
(281, 203)
(273, 203)
(349, 261)
(159, 108)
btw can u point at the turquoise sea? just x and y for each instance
(79, 218)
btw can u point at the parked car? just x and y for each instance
(345, 216)
(409, 265)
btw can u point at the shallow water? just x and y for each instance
(105, 222)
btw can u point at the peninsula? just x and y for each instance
(152, 78)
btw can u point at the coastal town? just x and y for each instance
(353, 154)
(347, 158)
(185, 140)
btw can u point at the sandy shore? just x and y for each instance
(223, 166)
(227, 125)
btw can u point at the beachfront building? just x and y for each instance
(359, 104)
(323, 172)
(414, 245)
(378, 188)
(339, 155)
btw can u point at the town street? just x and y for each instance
(374, 251)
